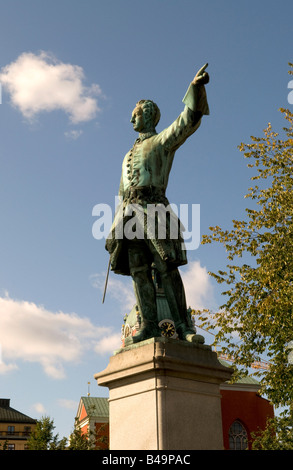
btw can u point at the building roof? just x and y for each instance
(8, 414)
(244, 380)
(248, 380)
(96, 406)
(244, 384)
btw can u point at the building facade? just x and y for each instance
(244, 411)
(15, 427)
(93, 419)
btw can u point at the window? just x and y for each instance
(27, 430)
(11, 447)
(238, 439)
(10, 430)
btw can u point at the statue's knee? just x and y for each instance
(139, 272)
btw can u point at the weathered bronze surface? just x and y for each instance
(144, 179)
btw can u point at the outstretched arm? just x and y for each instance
(196, 106)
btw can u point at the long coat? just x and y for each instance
(145, 173)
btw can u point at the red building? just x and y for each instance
(93, 420)
(243, 411)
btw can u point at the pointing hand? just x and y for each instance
(202, 77)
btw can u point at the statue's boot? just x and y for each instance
(150, 330)
(173, 296)
(145, 294)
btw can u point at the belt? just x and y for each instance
(144, 192)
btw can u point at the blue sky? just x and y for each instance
(71, 73)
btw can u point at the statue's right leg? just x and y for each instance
(144, 289)
(175, 295)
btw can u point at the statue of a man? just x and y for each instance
(144, 179)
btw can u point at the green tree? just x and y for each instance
(4, 446)
(278, 434)
(78, 440)
(102, 438)
(96, 439)
(257, 316)
(43, 437)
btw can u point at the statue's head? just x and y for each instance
(145, 116)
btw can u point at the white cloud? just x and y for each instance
(119, 289)
(73, 134)
(39, 82)
(29, 332)
(5, 368)
(109, 343)
(68, 404)
(39, 408)
(198, 287)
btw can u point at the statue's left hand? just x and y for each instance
(202, 77)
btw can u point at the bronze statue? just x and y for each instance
(144, 179)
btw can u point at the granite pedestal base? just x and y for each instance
(164, 394)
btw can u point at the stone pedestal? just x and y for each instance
(164, 394)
